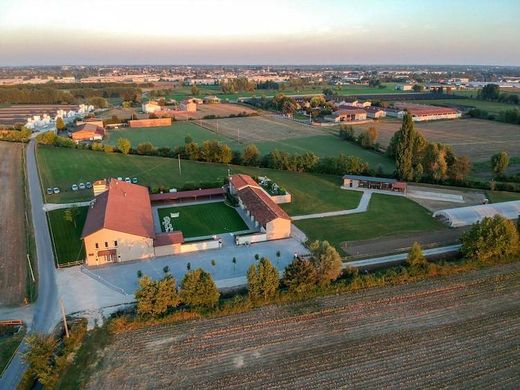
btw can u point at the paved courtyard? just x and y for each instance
(90, 290)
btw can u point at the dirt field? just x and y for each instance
(477, 138)
(12, 229)
(260, 128)
(459, 332)
(20, 112)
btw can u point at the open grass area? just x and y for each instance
(62, 167)
(8, 344)
(203, 219)
(490, 107)
(168, 136)
(68, 246)
(502, 196)
(386, 215)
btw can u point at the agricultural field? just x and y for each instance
(66, 234)
(203, 219)
(386, 215)
(468, 104)
(62, 167)
(477, 138)
(13, 245)
(168, 136)
(454, 332)
(18, 113)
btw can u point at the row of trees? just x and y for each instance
(366, 139)
(415, 157)
(239, 84)
(492, 92)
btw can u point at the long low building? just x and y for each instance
(421, 112)
(465, 216)
(369, 182)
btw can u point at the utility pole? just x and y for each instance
(30, 268)
(64, 318)
(180, 170)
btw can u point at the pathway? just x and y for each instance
(58, 206)
(361, 208)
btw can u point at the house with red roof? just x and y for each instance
(88, 132)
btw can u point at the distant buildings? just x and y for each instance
(87, 133)
(421, 113)
(347, 115)
(211, 99)
(151, 107)
(188, 105)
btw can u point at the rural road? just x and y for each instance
(46, 311)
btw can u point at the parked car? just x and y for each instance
(56, 190)
(88, 185)
(134, 180)
(49, 191)
(127, 179)
(81, 186)
(74, 187)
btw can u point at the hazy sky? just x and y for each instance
(46, 32)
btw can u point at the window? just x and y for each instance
(97, 245)
(115, 243)
(106, 244)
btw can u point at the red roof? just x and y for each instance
(87, 131)
(124, 207)
(261, 205)
(349, 111)
(241, 181)
(168, 238)
(187, 194)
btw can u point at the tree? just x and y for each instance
(156, 297)
(491, 239)
(326, 260)
(60, 124)
(41, 359)
(415, 255)
(418, 88)
(300, 276)
(188, 139)
(489, 92)
(195, 91)
(198, 289)
(434, 162)
(368, 138)
(499, 163)
(145, 148)
(124, 145)
(262, 280)
(97, 102)
(460, 168)
(192, 151)
(251, 155)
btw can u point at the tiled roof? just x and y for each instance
(168, 238)
(187, 194)
(260, 205)
(241, 181)
(124, 207)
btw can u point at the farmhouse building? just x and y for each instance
(188, 105)
(211, 100)
(369, 182)
(88, 132)
(258, 205)
(375, 112)
(348, 115)
(151, 107)
(119, 225)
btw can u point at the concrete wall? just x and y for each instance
(280, 199)
(129, 247)
(250, 238)
(150, 122)
(278, 228)
(166, 250)
(199, 246)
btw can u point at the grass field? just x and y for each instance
(168, 136)
(477, 138)
(456, 332)
(490, 107)
(502, 196)
(8, 345)
(62, 167)
(204, 219)
(66, 235)
(386, 215)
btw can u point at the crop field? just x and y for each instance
(13, 263)
(19, 113)
(455, 332)
(203, 219)
(386, 215)
(66, 235)
(62, 167)
(168, 136)
(219, 110)
(477, 138)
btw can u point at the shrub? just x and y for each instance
(300, 276)
(262, 280)
(198, 289)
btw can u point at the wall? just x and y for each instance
(129, 247)
(167, 250)
(280, 199)
(250, 238)
(278, 228)
(150, 122)
(199, 246)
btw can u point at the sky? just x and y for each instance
(71, 32)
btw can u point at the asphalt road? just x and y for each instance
(46, 310)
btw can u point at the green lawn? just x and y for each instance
(502, 196)
(66, 235)
(328, 146)
(386, 215)
(490, 107)
(204, 219)
(168, 136)
(8, 345)
(62, 167)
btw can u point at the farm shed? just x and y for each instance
(348, 115)
(189, 196)
(464, 216)
(378, 183)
